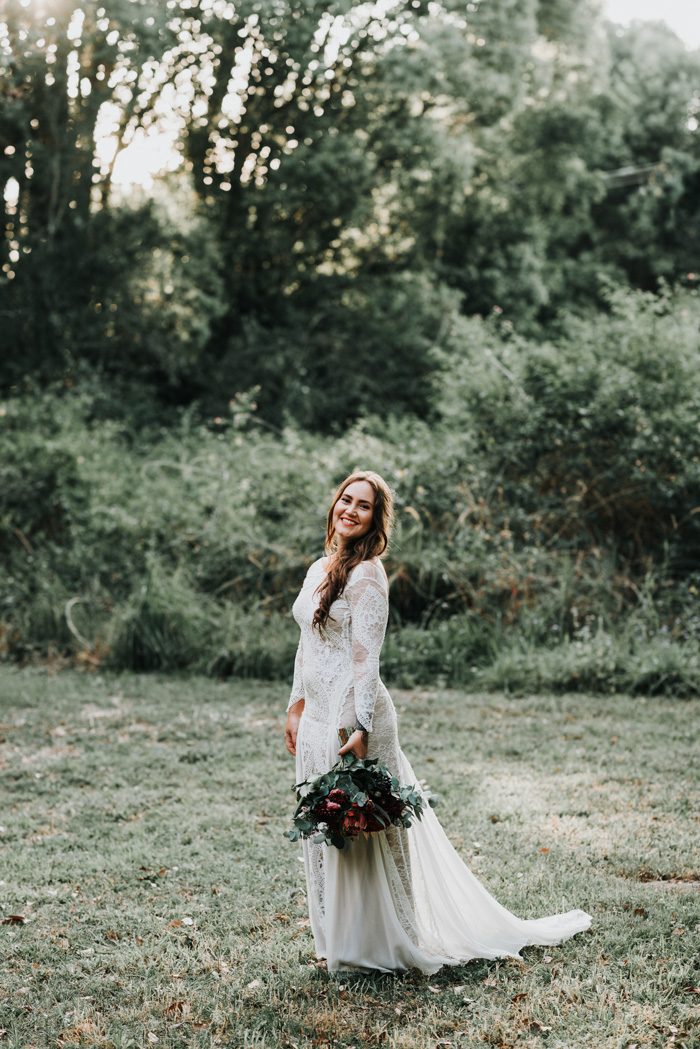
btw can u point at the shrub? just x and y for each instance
(557, 494)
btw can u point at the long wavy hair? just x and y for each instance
(372, 544)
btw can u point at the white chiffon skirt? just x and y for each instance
(403, 898)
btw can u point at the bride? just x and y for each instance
(398, 898)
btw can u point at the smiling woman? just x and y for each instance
(352, 512)
(397, 898)
(357, 529)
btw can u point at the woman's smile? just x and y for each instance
(354, 510)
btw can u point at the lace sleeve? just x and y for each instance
(298, 683)
(366, 592)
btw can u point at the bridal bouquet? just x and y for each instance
(356, 795)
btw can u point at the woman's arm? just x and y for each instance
(295, 706)
(292, 726)
(297, 692)
(369, 606)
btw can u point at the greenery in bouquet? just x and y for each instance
(356, 795)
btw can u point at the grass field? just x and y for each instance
(149, 898)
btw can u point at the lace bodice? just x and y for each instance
(338, 673)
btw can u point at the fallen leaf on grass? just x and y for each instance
(13, 919)
(254, 984)
(85, 1031)
(544, 850)
(113, 935)
(150, 873)
(178, 1008)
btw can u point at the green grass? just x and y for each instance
(142, 821)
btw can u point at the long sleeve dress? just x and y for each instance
(400, 898)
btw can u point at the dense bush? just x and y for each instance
(547, 521)
(595, 440)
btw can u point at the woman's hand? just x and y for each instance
(357, 744)
(290, 732)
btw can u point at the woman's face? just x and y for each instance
(352, 513)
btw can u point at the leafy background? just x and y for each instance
(456, 243)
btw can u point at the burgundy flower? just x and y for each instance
(354, 820)
(337, 817)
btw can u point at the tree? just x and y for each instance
(592, 179)
(68, 296)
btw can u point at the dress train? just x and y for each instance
(399, 898)
(404, 898)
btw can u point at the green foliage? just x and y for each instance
(599, 662)
(382, 248)
(352, 176)
(551, 501)
(595, 176)
(648, 223)
(595, 439)
(165, 624)
(67, 256)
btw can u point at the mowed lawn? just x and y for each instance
(149, 897)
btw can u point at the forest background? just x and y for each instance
(453, 242)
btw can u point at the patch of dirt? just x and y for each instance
(688, 882)
(684, 884)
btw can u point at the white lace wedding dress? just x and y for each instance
(399, 898)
